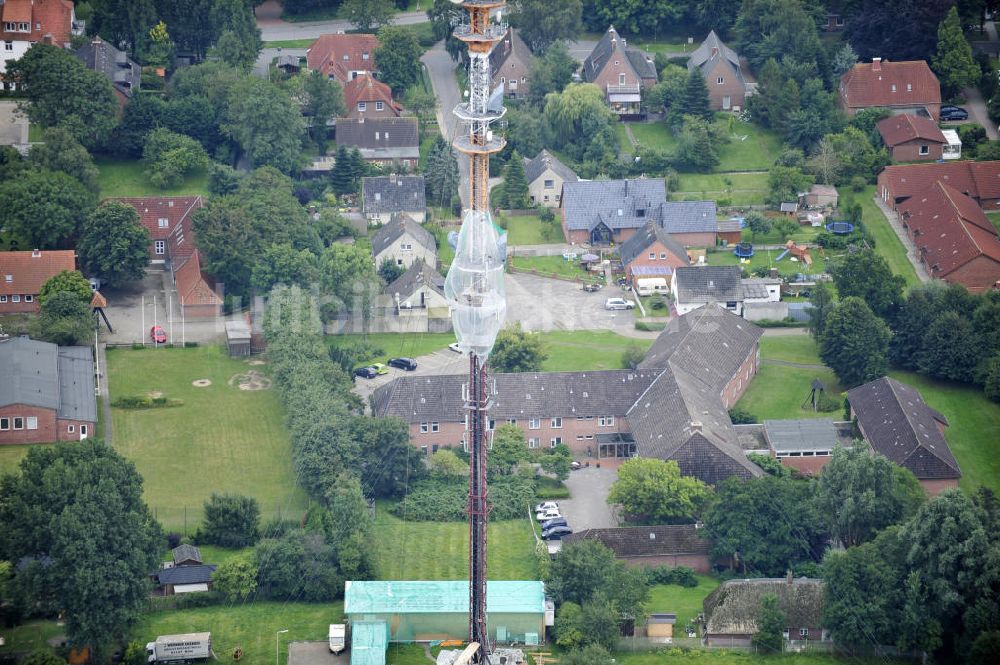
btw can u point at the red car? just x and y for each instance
(157, 335)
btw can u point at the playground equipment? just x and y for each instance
(743, 250)
(797, 253)
(840, 228)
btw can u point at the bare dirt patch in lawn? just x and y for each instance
(201, 383)
(155, 394)
(252, 380)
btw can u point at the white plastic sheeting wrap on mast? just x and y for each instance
(474, 286)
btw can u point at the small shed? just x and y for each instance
(238, 339)
(805, 445)
(186, 555)
(185, 579)
(660, 626)
(820, 196)
(290, 64)
(789, 208)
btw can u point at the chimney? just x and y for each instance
(35, 253)
(695, 426)
(876, 64)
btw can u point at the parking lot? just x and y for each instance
(542, 303)
(315, 653)
(437, 363)
(588, 507)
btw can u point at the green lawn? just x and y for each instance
(29, 636)
(124, 177)
(408, 345)
(35, 132)
(548, 266)
(654, 135)
(440, 550)
(526, 230)
(780, 393)
(768, 258)
(887, 243)
(222, 439)
(995, 218)
(624, 145)
(790, 348)
(750, 148)
(445, 251)
(11, 456)
(215, 554)
(251, 626)
(685, 602)
(290, 43)
(580, 350)
(722, 182)
(723, 657)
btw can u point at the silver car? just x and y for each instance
(618, 303)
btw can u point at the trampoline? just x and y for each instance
(840, 228)
(743, 250)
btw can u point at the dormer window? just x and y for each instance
(364, 56)
(163, 222)
(362, 106)
(640, 212)
(346, 57)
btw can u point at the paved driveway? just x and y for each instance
(588, 507)
(434, 364)
(13, 127)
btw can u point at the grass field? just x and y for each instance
(222, 439)
(547, 266)
(123, 177)
(790, 348)
(29, 636)
(723, 657)
(252, 626)
(685, 602)
(524, 230)
(579, 350)
(887, 243)
(624, 145)
(290, 43)
(779, 392)
(768, 258)
(440, 550)
(654, 135)
(995, 218)
(11, 456)
(722, 182)
(750, 147)
(392, 345)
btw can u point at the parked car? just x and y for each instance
(409, 364)
(550, 514)
(591, 288)
(574, 465)
(618, 303)
(546, 505)
(366, 372)
(454, 347)
(380, 368)
(954, 113)
(157, 335)
(556, 521)
(556, 533)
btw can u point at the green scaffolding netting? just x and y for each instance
(369, 640)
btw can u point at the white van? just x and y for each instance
(651, 285)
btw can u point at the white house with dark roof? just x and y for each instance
(403, 242)
(546, 176)
(385, 196)
(384, 141)
(697, 286)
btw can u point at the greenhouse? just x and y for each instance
(429, 611)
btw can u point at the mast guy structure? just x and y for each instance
(474, 285)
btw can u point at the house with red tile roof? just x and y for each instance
(27, 22)
(912, 138)
(343, 57)
(977, 180)
(908, 87)
(955, 240)
(367, 97)
(22, 275)
(169, 222)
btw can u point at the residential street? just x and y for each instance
(272, 28)
(441, 69)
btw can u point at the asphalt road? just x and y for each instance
(272, 29)
(441, 69)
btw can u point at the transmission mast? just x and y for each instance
(474, 286)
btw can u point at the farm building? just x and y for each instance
(439, 610)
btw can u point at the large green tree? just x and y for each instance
(324, 99)
(81, 505)
(60, 151)
(347, 273)
(552, 72)
(895, 29)
(64, 319)
(781, 29)
(124, 23)
(59, 90)
(171, 157)
(953, 61)
(508, 449)
(515, 185)
(654, 491)
(283, 264)
(866, 275)
(236, 578)
(239, 40)
(542, 22)
(855, 343)
(517, 350)
(822, 304)
(861, 493)
(367, 15)
(231, 520)
(67, 280)
(441, 174)
(114, 244)
(771, 624)
(266, 124)
(398, 58)
(46, 208)
(581, 122)
(695, 99)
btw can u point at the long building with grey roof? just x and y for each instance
(674, 405)
(47, 392)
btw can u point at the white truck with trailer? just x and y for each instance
(182, 648)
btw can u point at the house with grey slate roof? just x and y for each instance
(384, 141)
(403, 242)
(652, 546)
(47, 392)
(421, 287)
(896, 422)
(673, 406)
(696, 286)
(385, 196)
(124, 74)
(727, 85)
(651, 252)
(546, 176)
(620, 72)
(602, 212)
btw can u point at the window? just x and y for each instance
(346, 57)
(550, 184)
(435, 427)
(513, 65)
(24, 27)
(423, 449)
(8, 46)
(379, 106)
(163, 222)
(621, 75)
(720, 80)
(8, 278)
(32, 422)
(579, 437)
(424, 428)
(545, 198)
(3, 298)
(803, 632)
(652, 256)
(840, 21)
(621, 78)
(893, 87)
(924, 150)
(606, 421)
(491, 424)
(557, 423)
(406, 247)
(555, 441)
(503, 79)
(362, 106)
(15, 298)
(160, 247)
(18, 422)
(70, 429)
(83, 431)
(533, 442)
(534, 423)
(29, 298)
(663, 255)
(909, 87)
(364, 56)
(399, 262)
(640, 212)
(5, 423)
(524, 79)
(434, 447)
(512, 421)
(731, 304)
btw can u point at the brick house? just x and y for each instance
(912, 138)
(27, 22)
(383, 197)
(620, 72)
(953, 237)
(978, 180)
(896, 422)
(343, 57)
(720, 66)
(169, 222)
(404, 242)
(651, 252)
(383, 141)
(123, 72)
(22, 275)
(904, 87)
(366, 97)
(673, 406)
(48, 392)
(664, 545)
(733, 609)
(511, 62)
(601, 212)
(546, 176)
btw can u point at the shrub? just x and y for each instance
(742, 417)
(679, 575)
(145, 402)
(231, 520)
(547, 489)
(649, 327)
(173, 539)
(858, 183)
(439, 500)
